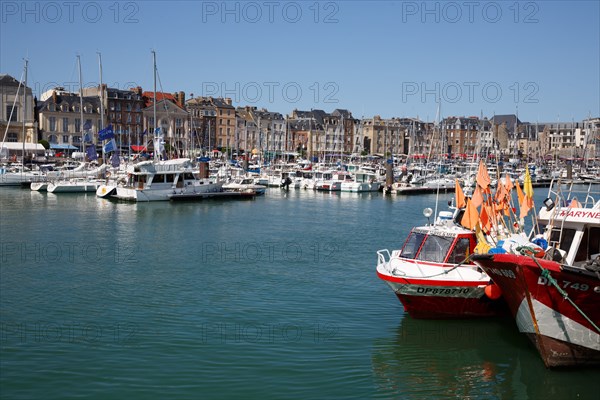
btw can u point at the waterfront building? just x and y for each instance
(563, 139)
(203, 121)
(383, 137)
(171, 118)
(13, 118)
(591, 142)
(214, 119)
(59, 119)
(123, 111)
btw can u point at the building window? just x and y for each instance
(52, 122)
(65, 139)
(12, 137)
(65, 127)
(128, 106)
(77, 125)
(15, 113)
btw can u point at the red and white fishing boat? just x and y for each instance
(555, 299)
(431, 278)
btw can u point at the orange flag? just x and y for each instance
(483, 178)
(574, 203)
(508, 184)
(459, 196)
(470, 217)
(485, 219)
(500, 193)
(519, 192)
(477, 198)
(525, 205)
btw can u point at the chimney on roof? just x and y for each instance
(182, 98)
(228, 100)
(54, 96)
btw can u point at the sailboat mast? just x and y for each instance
(101, 93)
(154, 105)
(81, 123)
(24, 115)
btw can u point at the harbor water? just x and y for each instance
(270, 298)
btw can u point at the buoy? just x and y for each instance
(493, 291)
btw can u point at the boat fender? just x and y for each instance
(493, 291)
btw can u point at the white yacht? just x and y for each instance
(160, 181)
(363, 181)
(245, 184)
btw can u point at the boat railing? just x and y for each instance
(383, 256)
(587, 197)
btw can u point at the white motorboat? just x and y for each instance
(160, 181)
(244, 185)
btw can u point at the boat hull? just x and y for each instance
(443, 299)
(440, 291)
(72, 187)
(560, 329)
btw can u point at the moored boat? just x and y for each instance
(433, 277)
(244, 185)
(555, 297)
(159, 181)
(80, 185)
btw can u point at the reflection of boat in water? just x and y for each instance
(474, 359)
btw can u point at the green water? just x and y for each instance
(273, 298)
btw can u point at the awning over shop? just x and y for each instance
(18, 146)
(138, 148)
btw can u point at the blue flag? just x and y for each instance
(90, 151)
(106, 133)
(110, 146)
(88, 125)
(115, 160)
(157, 132)
(145, 132)
(87, 137)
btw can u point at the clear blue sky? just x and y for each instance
(392, 58)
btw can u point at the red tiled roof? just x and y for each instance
(149, 98)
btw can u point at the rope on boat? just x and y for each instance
(546, 274)
(433, 276)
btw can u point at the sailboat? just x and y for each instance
(161, 180)
(20, 175)
(79, 184)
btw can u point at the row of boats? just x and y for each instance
(350, 177)
(548, 281)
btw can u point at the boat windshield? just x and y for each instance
(435, 248)
(412, 245)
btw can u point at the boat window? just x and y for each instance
(158, 178)
(460, 251)
(435, 248)
(188, 176)
(412, 245)
(590, 244)
(566, 238)
(170, 178)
